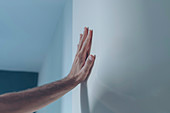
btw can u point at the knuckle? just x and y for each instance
(81, 62)
(84, 72)
(80, 55)
(77, 54)
(89, 62)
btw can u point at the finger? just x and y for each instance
(88, 64)
(78, 46)
(91, 68)
(81, 35)
(90, 43)
(84, 37)
(87, 42)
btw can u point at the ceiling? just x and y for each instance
(26, 30)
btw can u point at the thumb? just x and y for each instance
(88, 64)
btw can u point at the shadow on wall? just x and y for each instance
(107, 102)
(98, 108)
(103, 104)
(84, 98)
(111, 100)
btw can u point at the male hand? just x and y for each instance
(83, 61)
(33, 99)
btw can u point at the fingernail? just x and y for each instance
(90, 58)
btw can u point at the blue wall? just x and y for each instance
(59, 60)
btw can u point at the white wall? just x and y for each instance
(132, 45)
(58, 60)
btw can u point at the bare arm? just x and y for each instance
(33, 99)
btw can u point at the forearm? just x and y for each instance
(33, 99)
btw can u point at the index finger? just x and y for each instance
(87, 43)
(84, 37)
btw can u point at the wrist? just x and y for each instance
(71, 80)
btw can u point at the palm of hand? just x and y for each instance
(83, 61)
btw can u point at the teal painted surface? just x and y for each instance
(14, 81)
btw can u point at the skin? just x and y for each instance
(31, 100)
